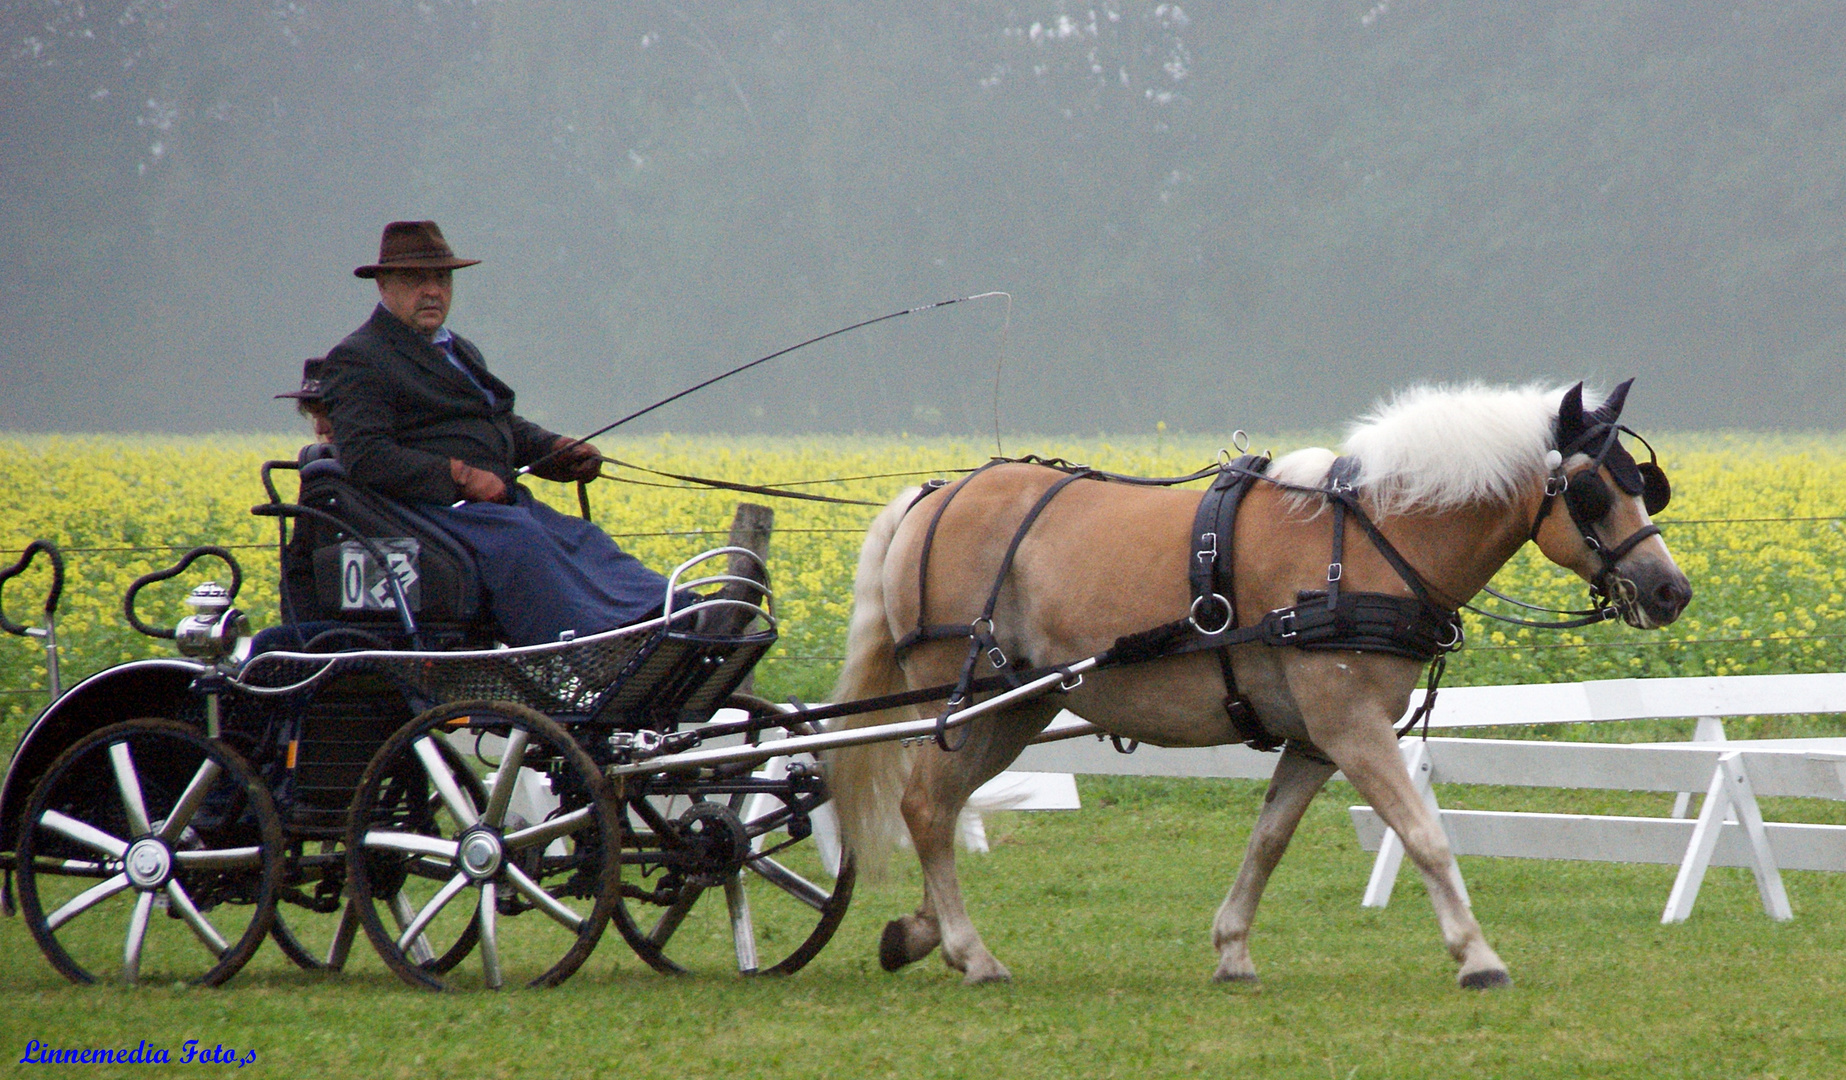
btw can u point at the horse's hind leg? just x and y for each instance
(939, 787)
(1297, 779)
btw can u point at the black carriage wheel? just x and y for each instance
(309, 957)
(459, 859)
(770, 916)
(317, 940)
(322, 941)
(149, 852)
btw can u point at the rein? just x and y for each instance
(1582, 617)
(731, 485)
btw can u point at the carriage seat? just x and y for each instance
(330, 577)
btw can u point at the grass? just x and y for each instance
(1103, 916)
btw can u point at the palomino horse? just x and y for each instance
(1455, 479)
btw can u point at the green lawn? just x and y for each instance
(1103, 916)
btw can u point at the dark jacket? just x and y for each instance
(401, 410)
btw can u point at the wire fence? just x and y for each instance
(1750, 641)
(142, 549)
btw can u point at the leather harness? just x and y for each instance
(1412, 626)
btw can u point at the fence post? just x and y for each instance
(750, 529)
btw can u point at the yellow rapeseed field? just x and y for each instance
(1755, 522)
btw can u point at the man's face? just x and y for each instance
(419, 297)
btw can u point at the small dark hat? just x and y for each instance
(310, 381)
(413, 245)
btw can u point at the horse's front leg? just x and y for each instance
(939, 787)
(1366, 750)
(1297, 779)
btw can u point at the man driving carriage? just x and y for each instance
(419, 418)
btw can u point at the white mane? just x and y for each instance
(1435, 448)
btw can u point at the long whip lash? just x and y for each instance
(739, 369)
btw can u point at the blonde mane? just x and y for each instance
(1436, 448)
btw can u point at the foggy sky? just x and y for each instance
(1258, 215)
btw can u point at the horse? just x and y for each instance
(1454, 479)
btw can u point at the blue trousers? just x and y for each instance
(546, 572)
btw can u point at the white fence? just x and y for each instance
(1729, 829)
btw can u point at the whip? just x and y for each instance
(739, 369)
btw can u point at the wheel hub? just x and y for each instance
(715, 843)
(480, 855)
(148, 863)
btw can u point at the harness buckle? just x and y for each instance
(995, 655)
(1335, 571)
(1556, 484)
(1285, 625)
(1071, 683)
(1208, 548)
(1192, 615)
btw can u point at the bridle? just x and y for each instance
(1588, 500)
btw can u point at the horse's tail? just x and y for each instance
(867, 781)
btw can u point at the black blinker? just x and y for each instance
(1587, 498)
(1656, 492)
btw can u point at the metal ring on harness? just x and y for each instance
(995, 655)
(1192, 616)
(1454, 641)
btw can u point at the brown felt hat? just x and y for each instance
(310, 381)
(413, 245)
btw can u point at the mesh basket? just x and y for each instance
(643, 674)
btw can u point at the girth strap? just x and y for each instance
(1214, 594)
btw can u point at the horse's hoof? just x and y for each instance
(893, 954)
(1244, 978)
(1486, 979)
(991, 978)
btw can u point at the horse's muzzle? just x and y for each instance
(1651, 595)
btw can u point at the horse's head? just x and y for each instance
(1605, 533)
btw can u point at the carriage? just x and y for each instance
(377, 763)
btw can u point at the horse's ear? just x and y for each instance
(1611, 408)
(1570, 416)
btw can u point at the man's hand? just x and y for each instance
(477, 485)
(570, 460)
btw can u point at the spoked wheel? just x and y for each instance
(434, 855)
(315, 926)
(149, 853)
(302, 940)
(731, 878)
(317, 923)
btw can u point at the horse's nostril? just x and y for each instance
(1673, 595)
